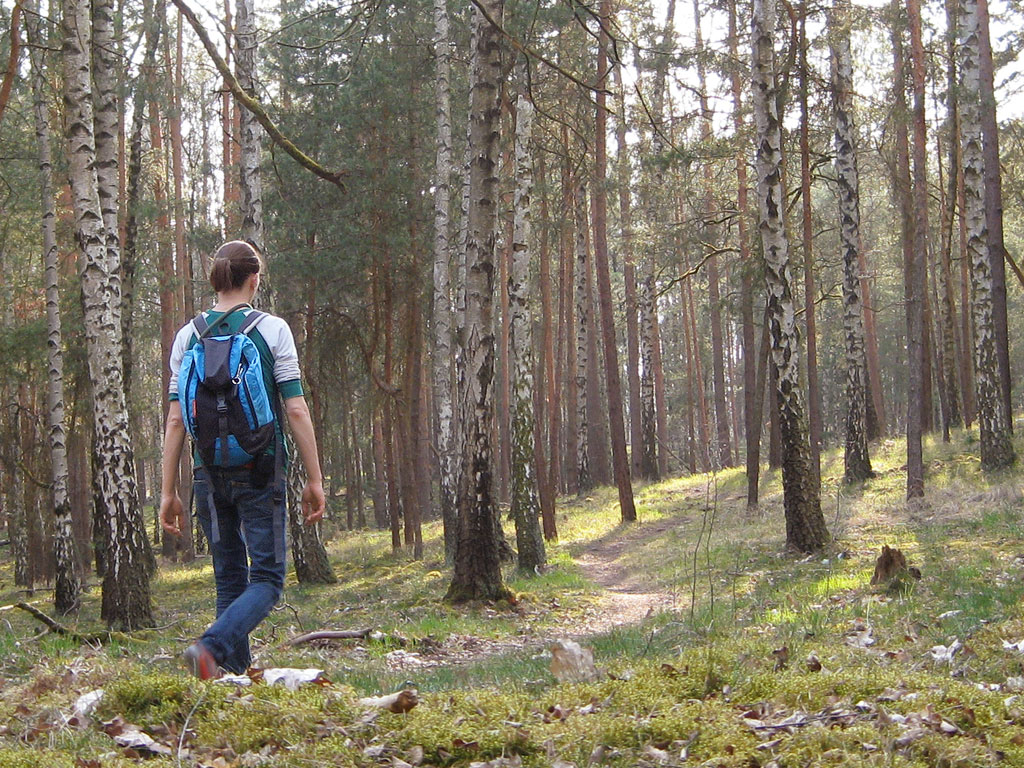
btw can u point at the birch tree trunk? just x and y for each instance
(994, 207)
(807, 238)
(68, 583)
(525, 502)
(251, 183)
(584, 482)
(311, 563)
(856, 460)
(805, 524)
(996, 443)
(126, 598)
(477, 572)
(442, 357)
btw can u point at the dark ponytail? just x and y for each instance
(233, 264)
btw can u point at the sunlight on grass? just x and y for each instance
(744, 620)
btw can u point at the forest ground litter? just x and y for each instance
(717, 647)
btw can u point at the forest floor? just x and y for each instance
(713, 645)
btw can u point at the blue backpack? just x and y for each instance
(225, 404)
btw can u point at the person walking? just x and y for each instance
(240, 503)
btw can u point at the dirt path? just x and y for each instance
(631, 595)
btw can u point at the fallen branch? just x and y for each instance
(59, 629)
(253, 104)
(51, 624)
(331, 634)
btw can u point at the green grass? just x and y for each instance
(756, 635)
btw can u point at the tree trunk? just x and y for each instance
(638, 462)
(916, 256)
(126, 600)
(525, 501)
(584, 481)
(250, 178)
(68, 583)
(807, 231)
(548, 482)
(856, 461)
(647, 299)
(620, 460)
(752, 398)
(477, 573)
(710, 239)
(311, 563)
(994, 206)
(996, 443)
(442, 357)
(805, 524)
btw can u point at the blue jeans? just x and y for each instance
(249, 578)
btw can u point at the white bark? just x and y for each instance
(105, 121)
(442, 354)
(68, 583)
(252, 133)
(583, 479)
(856, 458)
(996, 445)
(525, 501)
(126, 600)
(805, 525)
(477, 571)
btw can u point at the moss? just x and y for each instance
(151, 699)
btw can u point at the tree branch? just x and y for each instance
(253, 104)
(12, 59)
(527, 51)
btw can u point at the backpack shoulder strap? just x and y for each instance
(250, 321)
(199, 325)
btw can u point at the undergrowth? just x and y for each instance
(765, 658)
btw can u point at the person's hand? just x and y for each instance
(172, 514)
(313, 502)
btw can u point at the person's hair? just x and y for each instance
(233, 264)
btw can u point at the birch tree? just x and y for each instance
(442, 315)
(525, 501)
(805, 524)
(996, 443)
(68, 583)
(856, 460)
(251, 183)
(584, 482)
(126, 599)
(477, 573)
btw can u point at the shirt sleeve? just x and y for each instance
(178, 350)
(286, 357)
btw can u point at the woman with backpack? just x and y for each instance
(230, 369)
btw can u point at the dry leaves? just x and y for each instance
(572, 663)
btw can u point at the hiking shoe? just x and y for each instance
(200, 662)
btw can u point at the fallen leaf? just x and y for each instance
(659, 756)
(945, 653)
(908, 738)
(572, 663)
